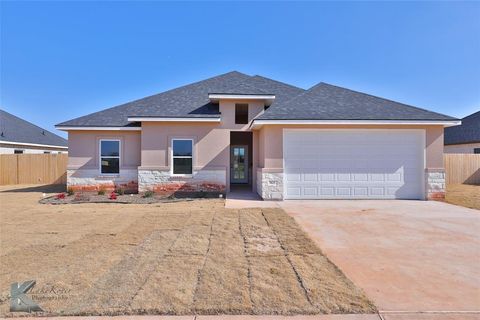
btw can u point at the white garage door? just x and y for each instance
(353, 164)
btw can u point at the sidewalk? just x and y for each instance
(381, 316)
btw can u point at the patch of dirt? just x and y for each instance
(463, 195)
(179, 258)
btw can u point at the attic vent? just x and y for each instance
(43, 132)
(2, 134)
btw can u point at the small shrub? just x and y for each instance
(274, 271)
(81, 197)
(60, 196)
(70, 191)
(113, 196)
(148, 194)
(101, 192)
(120, 191)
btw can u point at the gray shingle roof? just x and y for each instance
(323, 101)
(329, 102)
(14, 129)
(282, 91)
(186, 101)
(467, 132)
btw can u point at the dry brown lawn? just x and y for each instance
(179, 258)
(464, 195)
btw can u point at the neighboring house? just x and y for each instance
(464, 138)
(20, 136)
(282, 141)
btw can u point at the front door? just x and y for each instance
(239, 164)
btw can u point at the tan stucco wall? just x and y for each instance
(271, 143)
(210, 143)
(211, 140)
(150, 148)
(461, 148)
(84, 148)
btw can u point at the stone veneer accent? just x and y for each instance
(435, 184)
(163, 183)
(92, 180)
(270, 184)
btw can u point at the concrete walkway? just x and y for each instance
(381, 316)
(239, 198)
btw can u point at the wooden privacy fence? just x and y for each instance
(33, 168)
(462, 168)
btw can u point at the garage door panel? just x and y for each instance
(348, 192)
(360, 191)
(360, 176)
(384, 175)
(353, 164)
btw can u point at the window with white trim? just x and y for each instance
(182, 156)
(110, 156)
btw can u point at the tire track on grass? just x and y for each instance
(295, 271)
(114, 292)
(200, 271)
(247, 257)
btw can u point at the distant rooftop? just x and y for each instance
(467, 132)
(15, 129)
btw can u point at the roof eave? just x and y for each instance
(175, 119)
(96, 128)
(215, 97)
(32, 144)
(257, 123)
(462, 142)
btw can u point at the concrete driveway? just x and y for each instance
(407, 255)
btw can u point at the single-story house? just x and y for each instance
(464, 138)
(281, 141)
(20, 136)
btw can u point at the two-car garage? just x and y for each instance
(353, 163)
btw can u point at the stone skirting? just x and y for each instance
(92, 180)
(435, 184)
(204, 181)
(270, 184)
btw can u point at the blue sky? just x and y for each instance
(61, 60)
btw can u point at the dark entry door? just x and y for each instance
(239, 164)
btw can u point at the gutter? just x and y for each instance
(257, 123)
(32, 144)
